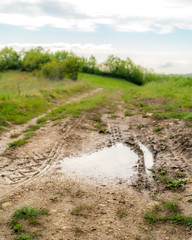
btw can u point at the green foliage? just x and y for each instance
(17, 228)
(34, 59)
(121, 213)
(127, 113)
(71, 66)
(28, 213)
(23, 237)
(167, 211)
(81, 210)
(14, 135)
(68, 67)
(89, 65)
(104, 131)
(60, 55)
(17, 143)
(176, 183)
(158, 129)
(52, 70)
(9, 59)
(25, 213)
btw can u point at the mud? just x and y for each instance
(31, 175)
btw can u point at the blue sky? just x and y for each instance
(156, 34)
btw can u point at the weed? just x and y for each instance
(54, 199)
(151, 170)
(29, 134)
(127, 113)
(158, 129)
(140, 104)
(32, 128)
(176, 183)
(163, 147)
(172, 206)
(97, 119)
(28, 213)
(103, 131)
(162, 173)
(41, 120)
(114, 116)
(189, 200)
(14, 135)
(139, 126)
(180, 175)
(17, 143)
(167, 211)
(23, 237)
(81, 209)
(79, 194)
(154, 195)
(78, 229)
(180, 219)
(17, 228)
(121, 213)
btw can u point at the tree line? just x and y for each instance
(63, 64)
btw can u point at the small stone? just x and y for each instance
(34, 230)
(6, 205)
(149, 114)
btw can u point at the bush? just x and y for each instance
(9, 59)
(34, 59)
(71, 66)
(52, 70)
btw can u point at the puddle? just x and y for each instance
(148, 157)
(116, 161)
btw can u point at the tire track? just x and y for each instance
(17, 171)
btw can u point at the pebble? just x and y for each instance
(6, 205)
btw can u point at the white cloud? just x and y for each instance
(160, 16)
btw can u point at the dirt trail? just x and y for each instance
(5, 137)
(30, 175)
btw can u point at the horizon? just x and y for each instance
(156, 35)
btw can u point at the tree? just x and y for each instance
(71, 66)
(52, 70)
(35, 58)
(9, 59)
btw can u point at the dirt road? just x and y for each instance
(30, 175)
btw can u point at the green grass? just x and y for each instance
(81, 210)
(14, 135)
(167, 211)
(17, 143)
(28, 213)
(26, 96)
(121, 213)
(23, 237)
(166, 99)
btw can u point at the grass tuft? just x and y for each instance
(81, 210)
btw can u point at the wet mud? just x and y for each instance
(44, 167)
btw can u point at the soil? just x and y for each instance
(31, 176)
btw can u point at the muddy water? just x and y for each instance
(148, 158)
(112, 162)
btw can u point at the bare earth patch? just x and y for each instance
(31, 176)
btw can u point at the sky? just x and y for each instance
(156, 34)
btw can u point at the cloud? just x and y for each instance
(160, 16)
(167, 65)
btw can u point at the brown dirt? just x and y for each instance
(30, 176)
